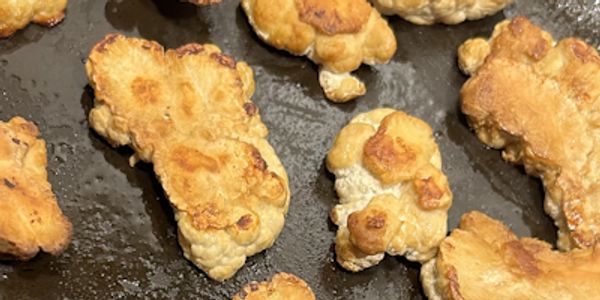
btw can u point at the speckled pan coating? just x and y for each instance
(124, 237)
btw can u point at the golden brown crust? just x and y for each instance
(229, 189)
(393, 196)
(394, 153)
(337, 35)
(427, 12)
(537, 101)
(30, 219)
(429, 192)
(283, 286)
(16, 14)
(334, 16)
(372, 228)
(165, 95)
(483, 259)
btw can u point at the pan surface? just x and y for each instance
(124, 244)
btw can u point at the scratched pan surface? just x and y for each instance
(124, 244)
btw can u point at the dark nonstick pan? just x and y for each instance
(124, 244)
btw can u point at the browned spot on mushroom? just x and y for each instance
(517, 25)
(223, 60)
(367, 230)
(146, 90)
(382, 148)
(454, 287)
(376, 222)
(109, 39)
(148, 45)
(53, 21)
(250, 108)
(540, 49)
(334, 16)
(29, 128)
(244, 221)
(259, 162)
(519, 257)
(582, 51)
(9, 184)
(16, 141)
(190, 49)
(207, 217)
(388, 158)
(191, 160)
(188, 101)
(429, 193)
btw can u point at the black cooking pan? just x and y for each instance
(124, 244)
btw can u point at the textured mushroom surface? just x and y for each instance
(16, 14)
(484, 259)
(30, 218)
(282, 286)
(427, 12)
(338, 35)
(538, 101)
(188, 111)
(394, 197)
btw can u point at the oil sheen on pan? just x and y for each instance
(124, 242)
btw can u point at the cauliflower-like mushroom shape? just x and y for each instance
(16, 14)
(188, 111)
(393, 195)
(30, 218)
(483, 259)
(539, 101)
(427, 12)
(338, 35)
